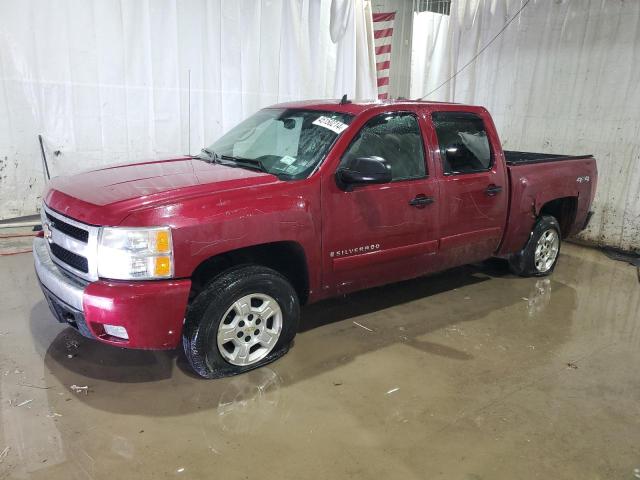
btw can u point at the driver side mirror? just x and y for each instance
(363, 171)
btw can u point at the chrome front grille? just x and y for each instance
(72, 245)
(73, 260)
(68, 229)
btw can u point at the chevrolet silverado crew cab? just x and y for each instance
(299, 202)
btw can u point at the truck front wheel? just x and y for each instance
(245, 318)
(540, 255)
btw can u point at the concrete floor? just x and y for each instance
(470, 374)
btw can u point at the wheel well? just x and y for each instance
(287, 258)
(564, 210)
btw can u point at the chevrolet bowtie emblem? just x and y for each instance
(47, 231)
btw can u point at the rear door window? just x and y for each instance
(463, 142)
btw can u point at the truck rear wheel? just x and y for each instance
(245, 318)
(540, 255)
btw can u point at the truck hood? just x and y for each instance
(106, 196)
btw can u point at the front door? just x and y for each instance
(377, 234)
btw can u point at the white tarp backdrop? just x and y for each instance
(105, 81)
(564, 77)
(429, 54)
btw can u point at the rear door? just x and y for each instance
(473, 186)
(377, 234)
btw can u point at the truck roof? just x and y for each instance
(353, 107)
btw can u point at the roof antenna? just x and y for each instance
(344, 100)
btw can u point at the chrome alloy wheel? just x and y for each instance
(249, 329)
(547, 250)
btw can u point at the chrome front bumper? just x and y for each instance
(53, 279)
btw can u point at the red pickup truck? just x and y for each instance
(300, 202)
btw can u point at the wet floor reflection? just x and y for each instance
(539, 297)
(248, 401)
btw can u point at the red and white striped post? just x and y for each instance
(383, 34)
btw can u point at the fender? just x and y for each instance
(205, 226)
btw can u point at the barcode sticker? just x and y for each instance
(287, 160)
(334, 125)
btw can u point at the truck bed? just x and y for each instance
(514, 158)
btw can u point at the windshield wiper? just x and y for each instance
(228, 160)
(252, 163)
(210, 155)
(213, 157)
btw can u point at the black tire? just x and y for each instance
(206, 312)
(523, 263)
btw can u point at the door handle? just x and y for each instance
(421, 201)
(493, 190)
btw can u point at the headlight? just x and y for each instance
(135, 253)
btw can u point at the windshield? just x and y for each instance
(288, 143)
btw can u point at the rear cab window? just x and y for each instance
(463, 142)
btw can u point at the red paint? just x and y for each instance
(383, 65)
(152, 312)
(126, 188)
(389, 255)
(534, 185)
(213, 209)
(383, 49)
(472, 223)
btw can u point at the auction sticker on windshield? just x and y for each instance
(333, 125)
(287, 160)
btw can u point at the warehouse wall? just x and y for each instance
(562, 78)
(105, 81)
